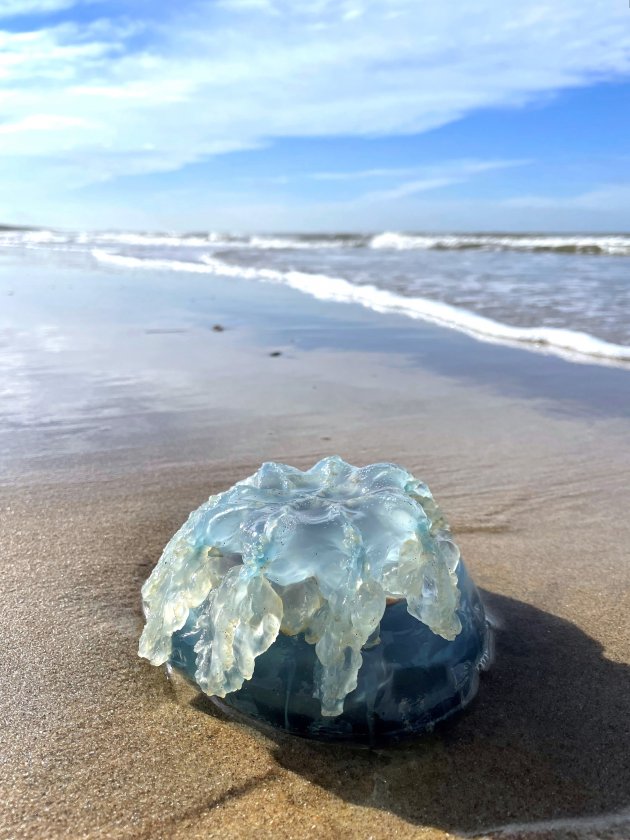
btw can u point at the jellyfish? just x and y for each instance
(331, 603)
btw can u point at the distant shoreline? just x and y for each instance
(348, 234)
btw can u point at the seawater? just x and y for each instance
(562, 294)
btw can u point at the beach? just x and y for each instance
(129, 396)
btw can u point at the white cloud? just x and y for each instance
(40, 64)
(248, 6)
(455, 172)
(132, 97)
(605, 198)
(412, 188)
(43, 122)
(364, 174)
(13, 8)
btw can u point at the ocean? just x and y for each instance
(563, 294)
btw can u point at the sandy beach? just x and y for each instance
(126, 409)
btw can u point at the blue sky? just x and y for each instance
(317, 115)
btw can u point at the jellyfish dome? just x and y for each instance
(331, 603)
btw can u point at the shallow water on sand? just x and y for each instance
(98, 356)
(568, 294)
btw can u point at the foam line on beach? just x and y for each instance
(569, 344)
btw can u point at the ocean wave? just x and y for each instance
(569, 344)
(610, 245)
(309, 241)
(155, 264)
(153, 239)
(27, 238)
(234, 240)
(32, 238)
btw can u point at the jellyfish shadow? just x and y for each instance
(548, 737)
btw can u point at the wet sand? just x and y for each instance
(122, 417)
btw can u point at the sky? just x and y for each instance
(300, 115)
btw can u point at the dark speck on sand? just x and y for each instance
(112, 436)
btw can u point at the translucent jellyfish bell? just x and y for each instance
(331, 603)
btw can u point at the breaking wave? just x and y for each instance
(611, 245)
(567, 343)
(32, 238)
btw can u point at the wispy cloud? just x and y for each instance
(128, 94)
(247, 6)
(411, 188)
(15, 8)
(604, 198)
(43, 122)
(363, 174)
(195, 87)
(455, 172)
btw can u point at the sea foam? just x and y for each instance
(603, 245)
(570, 344)
(576, 244)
